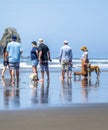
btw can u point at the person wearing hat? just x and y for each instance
(14, 51)
(34, 58)
(44, 57)
(65, 58)
(84, 61)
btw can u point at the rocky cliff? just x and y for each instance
(6, 38)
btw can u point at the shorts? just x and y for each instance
(14, 66)
(35, 62)
(44, 66)
(70, 67)
(64, 65)
(5, 63)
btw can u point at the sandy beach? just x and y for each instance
(61, 105)
(81, 117)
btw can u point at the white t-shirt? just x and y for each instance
(85, 55)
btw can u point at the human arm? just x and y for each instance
(49, 57)
(40, 54)
(71, 56)
(60, 55)
(21, 51)
(37, 54)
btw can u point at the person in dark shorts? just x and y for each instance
(44, 56)
(5, 62)
(34, 58)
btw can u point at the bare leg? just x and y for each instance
(42, 76)
(63, 73)
(3, 71)
(12, 73)
(47, 72)
(70, 74)
(17, 75)
(34, 69)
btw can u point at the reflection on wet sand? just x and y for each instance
(53, 93)
(66, 90)
(10, 94)
(40, 94)
(6, 82)
(87, 85)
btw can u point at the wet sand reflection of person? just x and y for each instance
(35, 93)
(40, 95)
(66, 90)
(86, 86)
(6, 82)
(11, 94)
(85, 89)
(44, 93)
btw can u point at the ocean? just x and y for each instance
(26, 63)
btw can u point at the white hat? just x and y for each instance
(40, 40)
(65, 41)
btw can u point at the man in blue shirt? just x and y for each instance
(13, 52)
(65, 58)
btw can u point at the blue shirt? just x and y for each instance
(14, 50)
(33, 53)
(65, 53)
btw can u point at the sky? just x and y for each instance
(80, 22)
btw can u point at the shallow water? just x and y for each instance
(55, 93)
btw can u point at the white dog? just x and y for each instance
(33, 77)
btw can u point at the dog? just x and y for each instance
(33, 77)
(90, 69)
(96, 69)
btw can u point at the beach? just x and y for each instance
(81, 117)
(64, 105)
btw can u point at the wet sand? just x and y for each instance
(81, 117)
(57, 105)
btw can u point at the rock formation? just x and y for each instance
(6, 38)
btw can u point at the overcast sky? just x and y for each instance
(81, 22)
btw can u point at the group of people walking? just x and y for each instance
(11, 59)
(42, 54)
(39, 55)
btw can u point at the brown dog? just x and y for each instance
(90, 69)
(96, 69)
